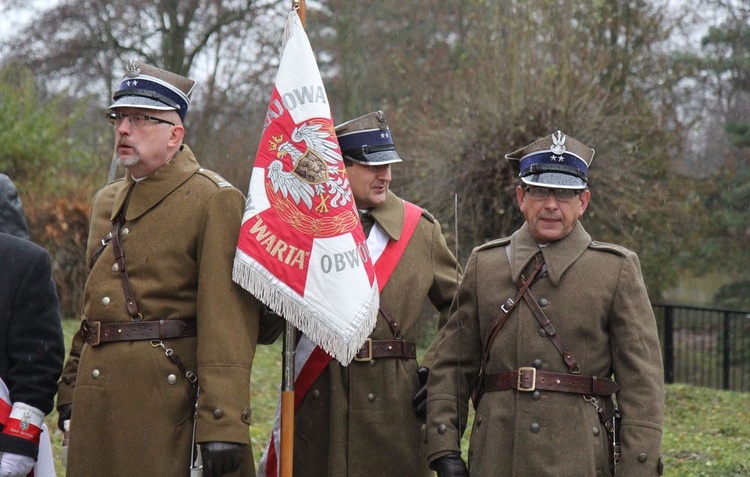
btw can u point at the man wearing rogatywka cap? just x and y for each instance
(549, 327)
(358, 420)
(163, 323)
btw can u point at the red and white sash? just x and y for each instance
(310, 360)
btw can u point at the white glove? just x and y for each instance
(14, 465)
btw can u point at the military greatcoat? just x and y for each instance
(595, 297)
(132, 411)
(358, 420)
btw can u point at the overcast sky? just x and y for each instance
(18, 18)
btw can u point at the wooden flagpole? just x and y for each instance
(286, 459)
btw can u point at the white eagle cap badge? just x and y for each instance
(134, 69)
(558, 143)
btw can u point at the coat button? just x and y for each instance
(218, 413)
(371, 397)
(67, 379)
(536, 395)
(543, 302)
(115, 267)
(642, 457)
(126, 231)
(537, 363)
(95, 374)
(247, 416)
(478, 421)
(316, 394)
(171, 379)
(372, 363)
(535, 427)
(106, 301)
(541, 332)
(441, 429)
(595, 431)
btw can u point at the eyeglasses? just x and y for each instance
(541, 193)
(136, 120)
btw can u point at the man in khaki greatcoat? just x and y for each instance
(358, 420)
(162, 317)
(584, 331)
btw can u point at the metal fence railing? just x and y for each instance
(707, 347)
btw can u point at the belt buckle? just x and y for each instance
(367, 359)
(94, 333)
(521, 387)
(509, 304)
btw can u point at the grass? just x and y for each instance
(707, 431)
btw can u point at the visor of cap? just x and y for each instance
(375, 158)
(130, 101)
(555, 180)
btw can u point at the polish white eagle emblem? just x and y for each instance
(558, 146)
(315, 178)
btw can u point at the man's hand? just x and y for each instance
(220, 458)
(450, 465)
(63, 414)
(14, 465)
(420, 397)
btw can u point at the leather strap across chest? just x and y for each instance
(130, 303)
(526, 379)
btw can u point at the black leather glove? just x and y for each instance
(220, 458)
(63, 414)
(450, 465)
(420, 397)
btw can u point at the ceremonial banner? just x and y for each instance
(301, 250)
(309, 360)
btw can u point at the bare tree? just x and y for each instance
(467, 81)
(82, 47)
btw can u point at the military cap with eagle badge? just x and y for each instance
(556, 160)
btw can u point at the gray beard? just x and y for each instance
(134, 160)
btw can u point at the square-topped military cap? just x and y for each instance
(148, 87)
(367, 140)
(556, 160)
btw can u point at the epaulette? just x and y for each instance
(610, 247)
(493, 243)
(220, 181)
(428, 216)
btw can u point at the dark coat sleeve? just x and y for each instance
(34, 346)
(30, 330)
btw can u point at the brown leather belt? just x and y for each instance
(96, 333)
(531, 379)
(386, 349)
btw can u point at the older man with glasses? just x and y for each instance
(548, 327)
(158, 376)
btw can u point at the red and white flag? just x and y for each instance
(301, 250)
(309, 360)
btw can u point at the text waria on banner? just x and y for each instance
(301, 250)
